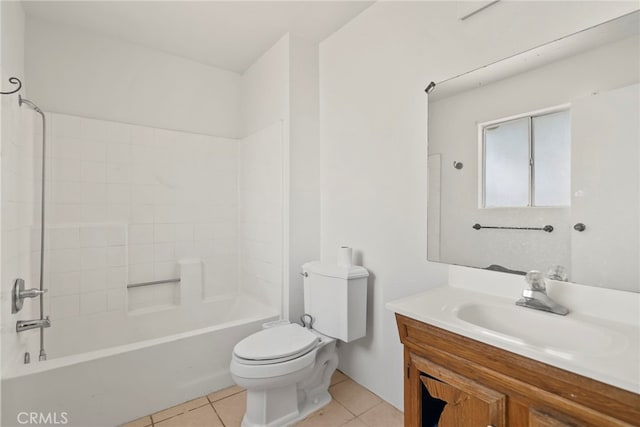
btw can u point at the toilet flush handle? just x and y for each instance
(306, 320)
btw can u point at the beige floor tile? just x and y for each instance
(203, 416)
(338, 377)
(383, 415)
(356, 422)
(179, 409)
(221, 394)
(354, 397)
(232, 409)
(140, 422)
(332, 415)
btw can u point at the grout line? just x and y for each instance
(198, 407)
(222, 398)
(370, 409)
(217, 415)
(347, 409)
(165, 419)
(342, 380)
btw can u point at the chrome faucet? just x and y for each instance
(536, 295)
(25, 325)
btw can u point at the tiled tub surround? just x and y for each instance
(177, 192)
(179, 196)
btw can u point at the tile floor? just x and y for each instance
(352, 406)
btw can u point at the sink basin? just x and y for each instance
(589, 341)
(562, 336)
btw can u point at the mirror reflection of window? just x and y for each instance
(527, 161)
(552, 159)
(506, 164)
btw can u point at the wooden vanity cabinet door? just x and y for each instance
(468, 403)
(461, 409)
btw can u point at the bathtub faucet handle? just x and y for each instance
(31, 293)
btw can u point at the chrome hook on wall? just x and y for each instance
(14, 81)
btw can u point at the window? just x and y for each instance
(527, 161)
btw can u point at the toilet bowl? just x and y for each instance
(286, 370)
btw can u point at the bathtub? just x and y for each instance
(133, 367)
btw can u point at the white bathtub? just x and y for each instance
(111, 376)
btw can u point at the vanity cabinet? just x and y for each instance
(454, 381)
(450, 399)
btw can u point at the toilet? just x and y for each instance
(286, 367)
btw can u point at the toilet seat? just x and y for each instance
(275, 345)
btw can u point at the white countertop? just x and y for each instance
(617, 363)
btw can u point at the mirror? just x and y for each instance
(534, 161)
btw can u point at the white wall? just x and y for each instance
(373, 73)
(264, 90)
(73, 71)
(304, 167)
(20, 163)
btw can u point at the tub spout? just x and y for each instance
(25, 325)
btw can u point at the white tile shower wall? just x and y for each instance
(19, 164)
(261, 214)
(86, 268)
(19, 213)
(128, 202)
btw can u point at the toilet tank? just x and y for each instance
(336, 298)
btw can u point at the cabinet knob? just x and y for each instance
(580, 227)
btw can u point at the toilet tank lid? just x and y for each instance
(334, 270)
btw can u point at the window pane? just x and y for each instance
(506, 169)
(552, 159)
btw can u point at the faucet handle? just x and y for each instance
(535, 279)
(31, 293)
(557, 272)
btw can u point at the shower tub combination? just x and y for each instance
(163, 342)
(155, 360)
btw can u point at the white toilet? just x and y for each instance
(286, 368)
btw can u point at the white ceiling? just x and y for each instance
(224, 34)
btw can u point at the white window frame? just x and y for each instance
(482, 153)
